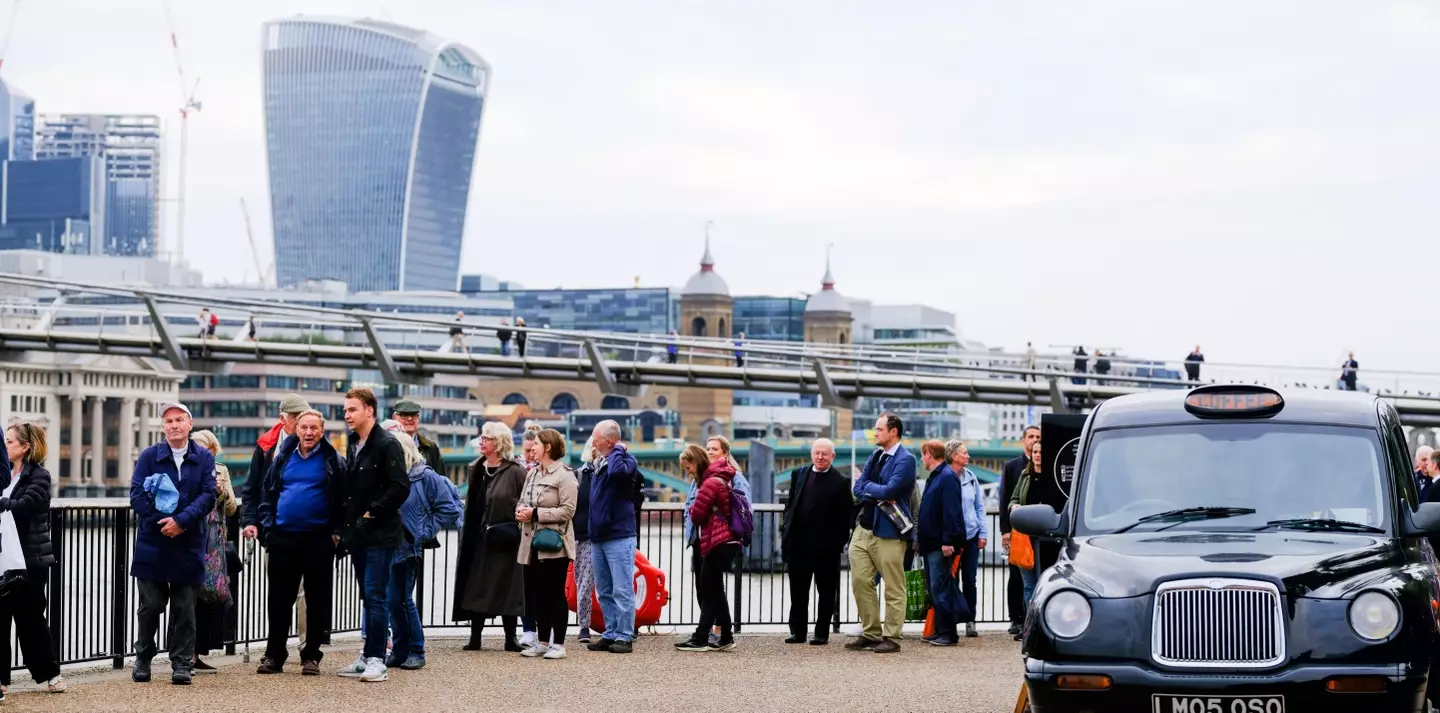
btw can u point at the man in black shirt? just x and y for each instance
(1009, 476)
(813, 533)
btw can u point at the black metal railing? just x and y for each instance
(94, 616)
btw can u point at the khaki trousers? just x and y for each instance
(868, 555)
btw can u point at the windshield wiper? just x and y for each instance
(1321, 523)
(1188, 514)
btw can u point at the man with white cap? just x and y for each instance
(171, 491)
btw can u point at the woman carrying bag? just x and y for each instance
(215, 597)
(547, 543)
(489, 581)
(1022, 548)
(26, 555)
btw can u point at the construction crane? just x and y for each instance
(188, 103)
(261, 271)
(9, 32)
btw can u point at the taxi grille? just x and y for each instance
(1218, 622)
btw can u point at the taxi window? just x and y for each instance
(1283, 471)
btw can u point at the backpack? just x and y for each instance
(742, 518)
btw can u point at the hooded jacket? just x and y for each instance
(711, 510)
(433, 505)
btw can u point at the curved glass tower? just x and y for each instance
(370, 132)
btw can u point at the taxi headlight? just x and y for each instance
(1374, 616)
(1067, 614)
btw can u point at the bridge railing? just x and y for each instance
(92, 598)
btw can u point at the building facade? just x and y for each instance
(371, 132)
(129, 146)
(17, 124)
(54, 206)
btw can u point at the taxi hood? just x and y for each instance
(1313, 564)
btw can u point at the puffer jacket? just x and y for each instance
(711, 510)
(29, 502)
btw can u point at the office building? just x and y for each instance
(17, 124)
(780, 319)
(130, 148)
(54, 206)
(371, 131)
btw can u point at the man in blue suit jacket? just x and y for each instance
(878, 545)
(171, 492)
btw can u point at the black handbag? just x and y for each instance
(502, 534)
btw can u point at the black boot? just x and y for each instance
(476, 629)
(511, 644)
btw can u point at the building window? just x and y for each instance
(288, 383)
(564, 402)
(697, 327)
(236, 382)
(661, 401)
(234, 409)
(515, 399)
(614, 403)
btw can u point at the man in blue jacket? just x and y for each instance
(613, 530)
(300, 510)
(878, 545)
(171, 491)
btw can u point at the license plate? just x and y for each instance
(1166, 703)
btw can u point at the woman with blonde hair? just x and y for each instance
(29, 554)
(432, 505)
(216, 595)
(488, 578)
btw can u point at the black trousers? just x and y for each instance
(181, 640)
(545, 598)
(825, 571)
(1015, 596)
(25, 605)
(293, 558)
(714, 605)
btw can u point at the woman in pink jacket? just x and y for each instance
(718, 547)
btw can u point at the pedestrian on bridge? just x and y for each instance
(521, 336)
(1082, 364)
(171, 491)
(1192, 364)
(457, 334)
(1349, 373)
(28, 554)
(814, 530)
(884, 490)
(503, 334)
(740, 350)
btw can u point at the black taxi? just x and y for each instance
(1235, 549)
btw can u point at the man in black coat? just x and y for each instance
(376, 485)
(1009, 476)
(813, 533)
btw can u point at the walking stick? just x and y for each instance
(249, 557)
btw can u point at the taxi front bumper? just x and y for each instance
(1302, 685)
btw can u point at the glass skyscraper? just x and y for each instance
(17, 124)
(371, 130)
(130, 145)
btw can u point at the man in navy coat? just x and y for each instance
(171, 492)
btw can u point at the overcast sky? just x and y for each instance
(1258, 177)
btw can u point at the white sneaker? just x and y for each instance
(375, 671)
(556, 652)
(527, 639)
(535, 650)
(355, 669)
(56, 685)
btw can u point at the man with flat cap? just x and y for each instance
(407, 413)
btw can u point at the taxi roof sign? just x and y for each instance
(1235, 401)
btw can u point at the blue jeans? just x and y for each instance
(409, 637)
(615, 585)
(969, 570)
(372, 573)
(1030, 577)
(937, 574)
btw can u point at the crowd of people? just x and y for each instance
(526, 518)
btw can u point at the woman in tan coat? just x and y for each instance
(547, 543)
(216, 596)
(488, 579)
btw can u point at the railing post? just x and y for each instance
(420, 588)
(57, 580)
(736, 617)
(119, 577)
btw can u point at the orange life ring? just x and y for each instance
(651, 596)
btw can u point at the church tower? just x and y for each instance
(828, 322)
(706, 310)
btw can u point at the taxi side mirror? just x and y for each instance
(1043, 521)
(1426, 519)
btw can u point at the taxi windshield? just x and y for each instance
(1210, 476)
